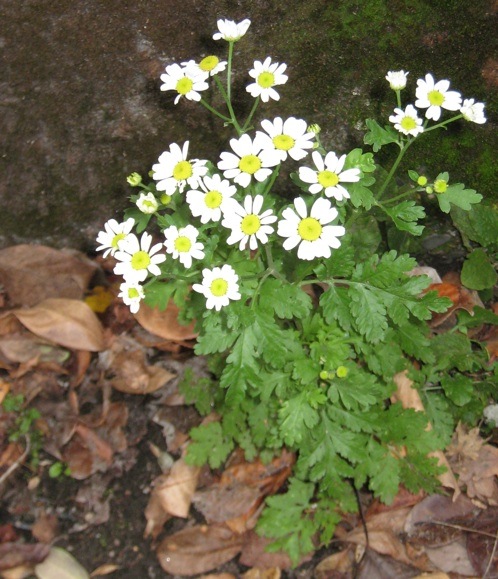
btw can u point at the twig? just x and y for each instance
(490, 562)
(15, 465)
(466, 529)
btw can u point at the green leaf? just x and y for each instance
(439, 414)
(286, 300)
(361, 196)
(286, 520)
(363, 161)
(368, 312)
(208, 445)
(459, 388)
(405, 216)
(335, 304)
(216, 336)
(480, 224)
(158, 293)
(297, 417)
(477, 272)
(457, 195)
(365, 237)
(377, 136)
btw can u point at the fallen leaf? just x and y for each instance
(69, 323)
(461, 297)
(198, 549)
(254, 554)
(17, 554)
(337, 565)
(452, 558)
(32, 273)
(45, 528)
(258, 573)
(164, 323)
(482, 544)
(175, 493)
(62, 565)
(106, 569)
(99, 299)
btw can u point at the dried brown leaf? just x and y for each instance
(106, 569)
(164, 323)
(198, 549)
(338, 565)
(32, 273)
(16, 554)
(62, 565)
(258, 573)
(254, 554)
(175, 494)
(45, 528)
(69, 323)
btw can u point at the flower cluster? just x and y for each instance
(223, 198)
(432, 96)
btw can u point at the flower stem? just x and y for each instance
(214, 111)
(272, 180)
(401, 154)
(249, 118)
(444, 123)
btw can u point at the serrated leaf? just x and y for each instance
(335, 304)
(480, 224)
(286, 300)
(457, 195)
(477, 272)
(369, 313)
(296, 418)
(208, 445)
(361, 196)
(377, 136)
(439, 414)
(458, 388)
(405, 216)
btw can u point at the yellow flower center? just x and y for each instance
(435, 98)
(250, 224)
(140, 260)
(207, 64)
(213, 199)
(182, 244)
(440, 185)
(219, 287)
(149, 204)
(182, 171)
(250, 164)
(266, 79)
(408, 123)
(283, 142)
(309, 229)
(184, 85)
(328, 179)
(133, 293)
(116, 239)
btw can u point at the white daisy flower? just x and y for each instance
(209, 65)
(397, 79)
(313, 234)
(215, 198)
(186, 81)
(247, 223)
(251, 159)
(473, 111)
(113, 234)
(174, 171)
(219, 286)
(267, 75)
(132, 293)
(329, 175)
(288, 138)
(230, 30)
(407, 121)
(183, 245)
(137, 258)
(434, 96)
(147, 203)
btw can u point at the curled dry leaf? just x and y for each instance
(165, 323)
(16, 554)
(198, 549)
(69, 323)
(461, 297)
(32, 273)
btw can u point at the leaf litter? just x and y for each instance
(104, 384)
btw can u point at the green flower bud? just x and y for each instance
(165, 199)
(440, 186)
(134, 179)
(315, 128)
(324, 375)
(429, 190)
(342, 372)
(422, 181)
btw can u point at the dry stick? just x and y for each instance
(488, 567)
(466, 529)
(15, 465)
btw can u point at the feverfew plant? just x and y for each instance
(305, 315)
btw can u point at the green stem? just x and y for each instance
(272, 180)
(401, 154)
(229, 71)
(249, 118)
(214, 111)
(401, 196)
(233, 118)
(444, 123)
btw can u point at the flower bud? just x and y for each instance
(440, 186)
(422, 181)
(134, 179)
(342, 372)
(165, 199)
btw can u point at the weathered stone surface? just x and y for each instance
(81, 108)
